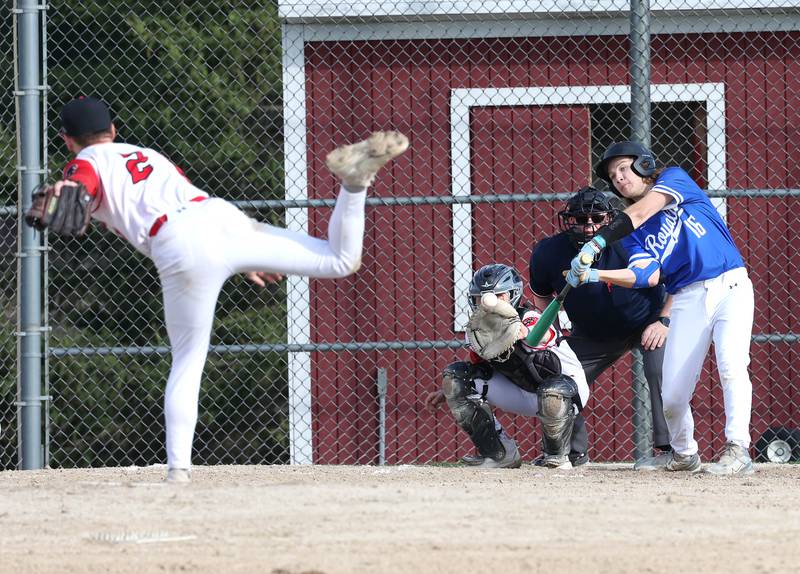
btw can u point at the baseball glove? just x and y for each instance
(492, 331)
(66, 214)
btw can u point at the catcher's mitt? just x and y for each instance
(492, 331)
(66, 214)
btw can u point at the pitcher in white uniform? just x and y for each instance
(197, 242)
(673, 233)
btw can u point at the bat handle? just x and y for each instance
(563, 294)
(586, 259)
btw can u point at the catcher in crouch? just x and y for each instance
(502, 371)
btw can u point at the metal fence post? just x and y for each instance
(642, 417)
(30, 174)
(640, 71)
(640, 131)
(383, 384)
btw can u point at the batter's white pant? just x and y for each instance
(718, 310)
(508, 397)
(197, 250)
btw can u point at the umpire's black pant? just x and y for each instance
(596, 356)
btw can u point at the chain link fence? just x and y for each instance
(508, 105)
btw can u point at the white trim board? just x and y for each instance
(298, 301)
(309, 10)
(462, 99)
(519, 28)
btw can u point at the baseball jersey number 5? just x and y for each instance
(134, 166)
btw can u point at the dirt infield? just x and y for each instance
(344, 519)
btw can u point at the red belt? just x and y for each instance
(163, 219)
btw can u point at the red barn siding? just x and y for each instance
(404, 290)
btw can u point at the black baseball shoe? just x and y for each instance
(575, 459)
(474, 459)
(512, 458)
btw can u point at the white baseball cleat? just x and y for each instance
(650, 463)
(357, 164)
(734, 460)
(179, 476)
(670, 461)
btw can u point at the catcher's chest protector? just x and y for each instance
(516, 369)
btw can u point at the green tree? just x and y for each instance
(200, 81)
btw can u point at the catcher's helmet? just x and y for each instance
(588, 207)
(644, 164)
(495, 278)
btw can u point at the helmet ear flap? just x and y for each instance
(645, 164)
(514, 296)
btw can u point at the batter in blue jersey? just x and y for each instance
(673, 234)
(687, 238)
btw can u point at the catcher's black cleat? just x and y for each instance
(473, 459)
(511, 457)
(575, 458)
(578, 458)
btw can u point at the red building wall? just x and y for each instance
(404, 290)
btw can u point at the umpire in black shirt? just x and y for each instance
(607, 321)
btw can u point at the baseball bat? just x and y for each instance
(550, 313)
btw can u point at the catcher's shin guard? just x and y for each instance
(557, 413)
(472, 414)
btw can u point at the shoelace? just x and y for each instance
(729, 457)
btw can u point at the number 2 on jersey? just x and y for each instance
(137, 166)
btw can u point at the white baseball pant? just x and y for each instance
(718, 310)
(507, 396)
(203, 244)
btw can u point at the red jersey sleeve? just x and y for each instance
(81, 171)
